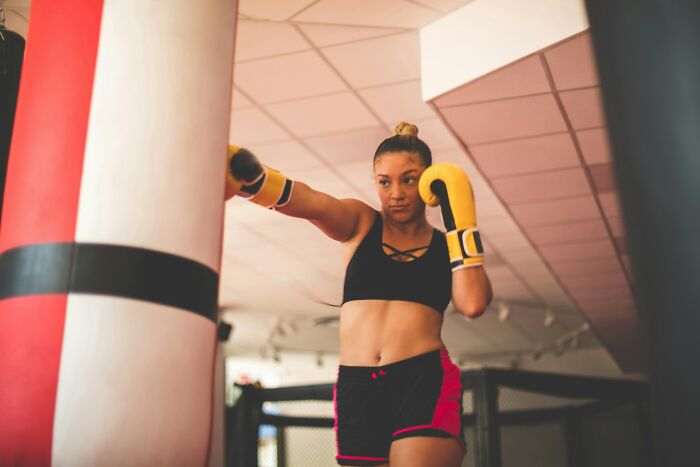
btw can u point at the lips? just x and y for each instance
(398, 207)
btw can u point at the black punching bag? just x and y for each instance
(11, 53)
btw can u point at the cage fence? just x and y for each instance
(511, 419)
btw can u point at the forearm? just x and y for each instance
(471, 291)
(305, 202)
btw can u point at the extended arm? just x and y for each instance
(247, 177)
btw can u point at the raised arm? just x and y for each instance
(338, 219)
(448, 185)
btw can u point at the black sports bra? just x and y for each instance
(373, 275)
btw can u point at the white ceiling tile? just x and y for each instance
(239, 101)
(350, 147)
(257, 39)
(239, 210)
(395, 103)
(455, 156)
(271, 9)
(360, 174)
(444, 6)
(436, 134)
(377, 61)
(388, 13)
(286, 156)
(289, 265)
(236, 235)
(305, 242)
(490, 208)
(529, 269)
(324, 35)
(287, 77)
(321, 115)
(513, 290)
(515, 242)
(236, 276)
(251, 126)
(322, 179)
(501, 273)
(523, 259)
(497, 226)
(543, 283)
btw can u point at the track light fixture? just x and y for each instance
(549, 317)
(503, 312)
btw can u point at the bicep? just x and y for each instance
(338, 219)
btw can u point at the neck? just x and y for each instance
(412, 228)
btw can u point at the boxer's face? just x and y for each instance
(396, 176)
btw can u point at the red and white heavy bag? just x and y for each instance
(110, 240)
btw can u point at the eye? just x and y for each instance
(383, 182)
(410, 180)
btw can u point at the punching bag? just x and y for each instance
(111, 237)
(11, 54)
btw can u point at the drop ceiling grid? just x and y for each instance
(324, 35)
(322, 161)
(298, 138)
(606, 204)
(599, 119)
(431, 126)
(368, 13)
(287, 266)
(516, 269)
(493, 243)
(520, 289)
(273, 10)
(266, 39)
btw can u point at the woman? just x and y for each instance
(398, 396)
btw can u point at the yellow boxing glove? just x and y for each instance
(247, 177)
(448, 185)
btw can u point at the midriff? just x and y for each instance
(378, 332)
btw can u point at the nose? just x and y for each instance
(397, 192)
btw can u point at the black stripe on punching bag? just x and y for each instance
(137, 273)
(11, 56)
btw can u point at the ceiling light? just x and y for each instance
(549, 317)
(503, 312)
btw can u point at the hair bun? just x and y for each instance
(403, 129)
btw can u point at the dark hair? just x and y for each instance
(405, 139)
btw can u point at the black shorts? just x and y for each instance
(419, 396)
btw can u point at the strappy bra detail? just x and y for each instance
(373, 274)
(408, 253)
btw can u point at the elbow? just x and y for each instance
(476, 308)
(473, 312)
